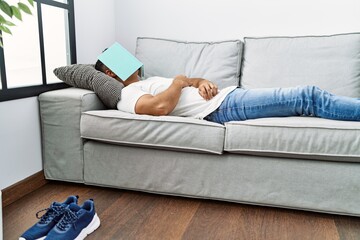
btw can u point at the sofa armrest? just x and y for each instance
(62, 146)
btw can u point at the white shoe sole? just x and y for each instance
(42, 238)
(93, 225)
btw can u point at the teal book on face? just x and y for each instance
(121, 61)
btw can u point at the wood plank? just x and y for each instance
(120, 215)
(169, 218)
(146, 216)
(22, 188)
(348, 227)
(219, 220)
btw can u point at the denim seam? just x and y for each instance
(336, 115)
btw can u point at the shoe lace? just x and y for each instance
(69, 218)
(51, 213)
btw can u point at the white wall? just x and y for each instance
(204, 20)
(95, 28)
(19, 140)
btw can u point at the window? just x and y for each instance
(41, 42)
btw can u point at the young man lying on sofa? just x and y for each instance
(201, 99)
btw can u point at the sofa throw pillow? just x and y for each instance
(329, 62)
(216, 61)
(87, 77)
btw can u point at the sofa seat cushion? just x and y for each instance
(164, 132)
(296, 137)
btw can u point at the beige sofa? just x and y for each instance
(295, 162)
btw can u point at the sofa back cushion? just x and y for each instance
(329, 62)
(216, 61)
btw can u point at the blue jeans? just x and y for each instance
(243, 104)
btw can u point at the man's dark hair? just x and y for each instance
(100, 66)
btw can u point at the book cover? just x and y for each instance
(121, 61)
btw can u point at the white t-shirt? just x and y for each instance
(190, 104)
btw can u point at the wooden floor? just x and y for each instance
(136, 215)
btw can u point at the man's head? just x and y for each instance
(100, 66)
(103, 68)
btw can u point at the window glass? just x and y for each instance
(56, 40)
(22, 52)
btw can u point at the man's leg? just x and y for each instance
(283, 102)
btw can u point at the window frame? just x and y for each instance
(6, 93)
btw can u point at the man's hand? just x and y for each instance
(207, 89)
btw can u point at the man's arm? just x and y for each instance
(162, 103)
(207, 89)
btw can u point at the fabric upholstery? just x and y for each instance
(60, 123)
(299, 137)
(177, 133)
(216, 61)
(322, 186)
(87, 77)
(329, 62)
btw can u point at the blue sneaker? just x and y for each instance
(47, 221)
(77, 222)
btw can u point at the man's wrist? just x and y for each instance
(180, 82)
(195, 82)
